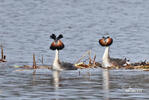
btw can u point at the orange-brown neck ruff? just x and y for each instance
(106, 41)
(57, 45)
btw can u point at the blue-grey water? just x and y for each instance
(25, 27)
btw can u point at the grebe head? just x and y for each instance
(57, 44)
(106, 41)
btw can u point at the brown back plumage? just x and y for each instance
(106, 41)
(57, 43)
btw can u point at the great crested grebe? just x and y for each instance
(57, 45)
(106, 60)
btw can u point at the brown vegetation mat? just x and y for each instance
(89, 63)
(139, 65)
(92, 64)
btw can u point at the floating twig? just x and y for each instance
(94, 63)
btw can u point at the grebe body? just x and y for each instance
(58, 45)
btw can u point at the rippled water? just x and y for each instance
(25, 27)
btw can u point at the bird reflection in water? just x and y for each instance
(105, 85)
(55, 77)
(55, 81)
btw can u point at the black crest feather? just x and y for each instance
(53, 36)
(60, 36)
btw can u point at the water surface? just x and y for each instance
(25, 27)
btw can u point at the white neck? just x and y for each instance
(56, 63)
(106, 58)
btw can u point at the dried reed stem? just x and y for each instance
(87, 52)
(34, 62)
